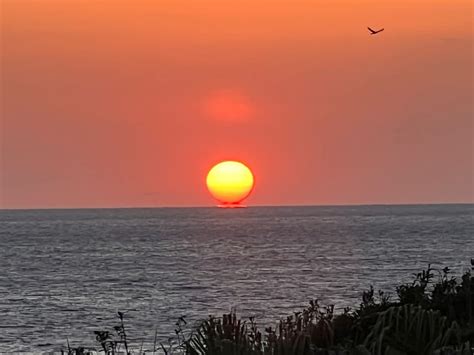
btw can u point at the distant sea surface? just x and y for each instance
(65, 273)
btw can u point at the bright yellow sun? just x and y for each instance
(230, 182)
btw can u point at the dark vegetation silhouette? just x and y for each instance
(427, 317)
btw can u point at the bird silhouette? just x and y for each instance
(373, 32)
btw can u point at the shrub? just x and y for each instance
(427, 318)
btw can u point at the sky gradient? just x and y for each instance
(130, 103)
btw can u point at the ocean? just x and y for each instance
(66, 273)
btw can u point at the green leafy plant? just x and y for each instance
(428, 318)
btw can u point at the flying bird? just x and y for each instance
(373, 32)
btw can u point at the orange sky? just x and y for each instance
(129, 103)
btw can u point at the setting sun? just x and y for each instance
(230, 182)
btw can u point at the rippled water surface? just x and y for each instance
(64, 273)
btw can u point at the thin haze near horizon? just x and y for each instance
(129, 103)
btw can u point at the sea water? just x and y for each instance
(65, 273)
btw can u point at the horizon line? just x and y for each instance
(248, 206)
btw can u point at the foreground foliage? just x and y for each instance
(427, 318)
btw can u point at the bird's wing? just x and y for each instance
(381, 30)
(371, 30)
